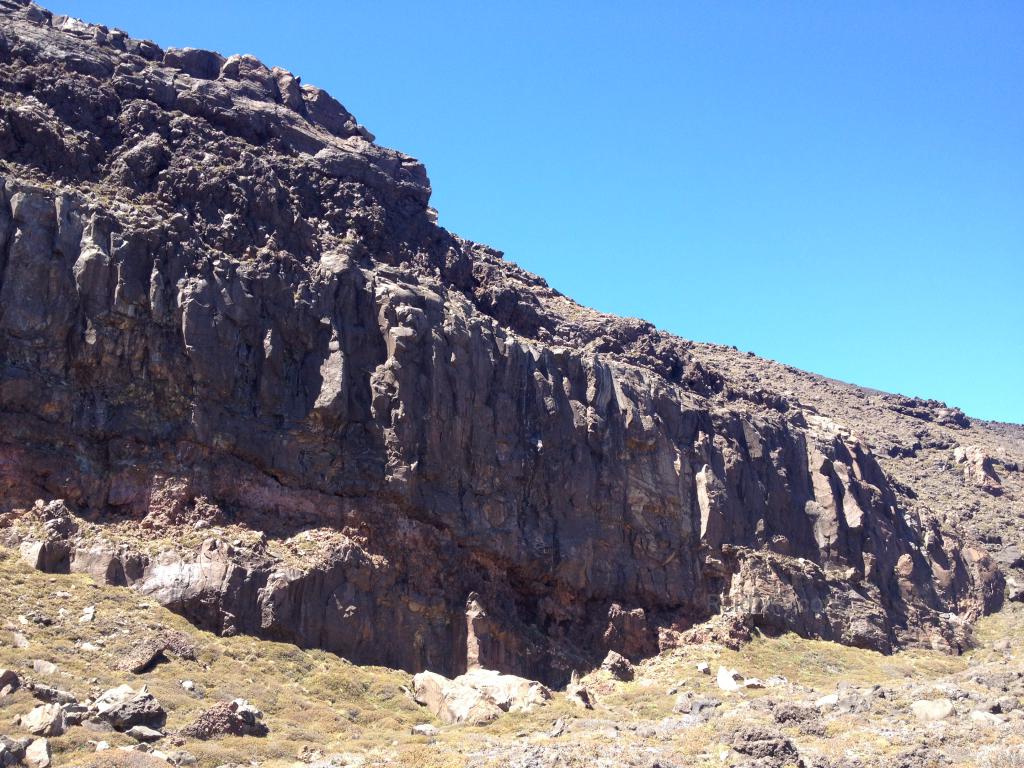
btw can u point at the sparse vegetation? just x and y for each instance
(319, 704)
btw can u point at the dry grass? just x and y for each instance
(312, 699)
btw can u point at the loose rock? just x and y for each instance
(932, 709)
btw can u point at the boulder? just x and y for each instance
(144, 734)
(9, 679)
(229, 718)
(577, 693)
(689, 703)
(45, 720)
(729, 679)
(12, 751)
(509, 693)
(37, 754)
(124, 707)
(618, 666)
(986, 718)
(453, 702)
(43, 667)
(425, 729)
(766, 745)
(51, 695)
(932, 709)
(828, 701)
(151, 650)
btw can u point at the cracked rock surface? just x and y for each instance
(243, 370)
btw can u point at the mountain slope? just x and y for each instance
(245, 372)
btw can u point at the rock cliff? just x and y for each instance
(243, 370)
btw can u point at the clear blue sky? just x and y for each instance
(839, 186)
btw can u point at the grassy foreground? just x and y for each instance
(317, 704)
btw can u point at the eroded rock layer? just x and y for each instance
(224, 307)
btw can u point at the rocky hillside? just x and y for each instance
(76, 691)
(245, 372)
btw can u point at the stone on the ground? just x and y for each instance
(143, 733)
(510, 693)
(827, 701)
(764, 744)
(618, 666)
(986, 718)
(932, 709)
(45, 720)
(577, 693)
(151, 650)
(424, 729)
(12, 751)
(229, 718)
(688, 703)
(51, 695)
(124, 707)
(453, 702)
(729, 679)
(9, 679)
(43, 667)
(703, 667)
(37, 754)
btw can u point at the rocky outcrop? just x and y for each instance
(223, 305)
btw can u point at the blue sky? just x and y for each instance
(839, 186)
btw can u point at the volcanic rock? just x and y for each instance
(229, 718)
(125, 707)
(617, 666)
(220, 299)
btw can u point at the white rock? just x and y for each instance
(453, 702)
(703, 667)
(188, 685)
(424, 729)
(828, 701)
(729, 679)
(45, 720)
(510, 692)
(986, 718)
(41, 667)
(753, 682)
(932, 709)
(37, 755)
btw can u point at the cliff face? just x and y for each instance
(244, 370)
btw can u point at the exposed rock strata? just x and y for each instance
(222, 304)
